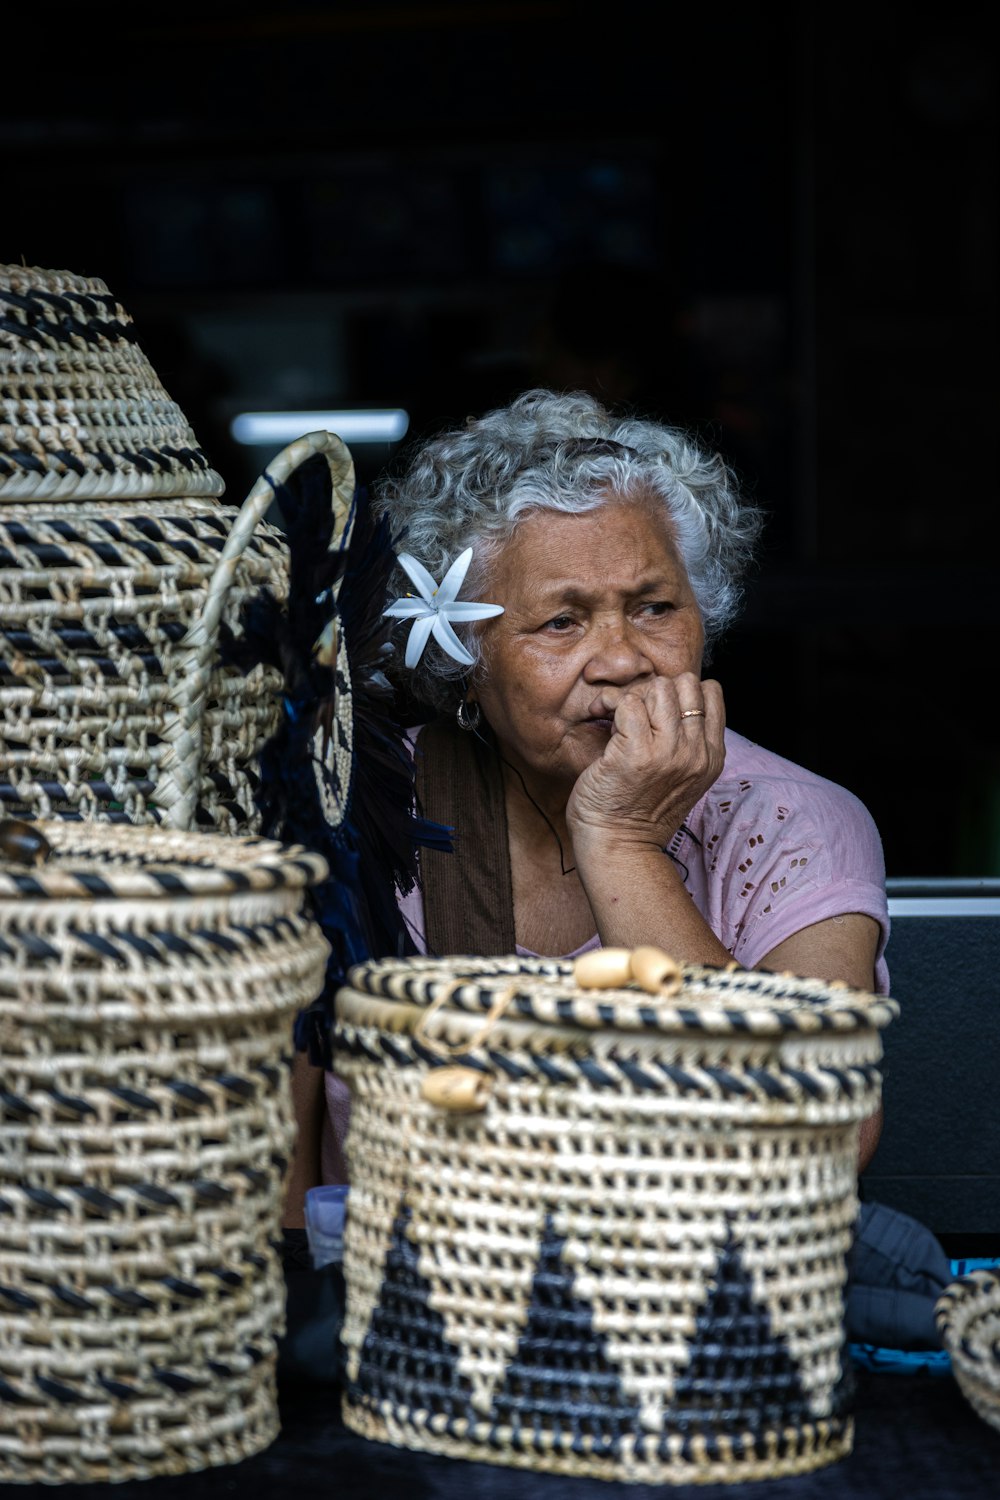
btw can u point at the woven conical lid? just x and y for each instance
(84, 415)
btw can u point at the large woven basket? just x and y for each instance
(968, 1319)
(603, 1231)
(118, 564)
(148, 985)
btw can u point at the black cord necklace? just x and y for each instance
(541, 813)
(494, 747)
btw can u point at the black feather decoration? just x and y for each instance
(338, 776)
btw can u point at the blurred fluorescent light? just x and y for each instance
(260, 427)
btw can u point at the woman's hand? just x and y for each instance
(666, 749)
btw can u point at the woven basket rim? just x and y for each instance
(723, 1000)
(90, 861)
(961, 1313)
(968, 1319)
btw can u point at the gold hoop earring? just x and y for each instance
(467, 715)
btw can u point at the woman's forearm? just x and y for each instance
(638, 897)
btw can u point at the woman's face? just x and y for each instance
(592, 603)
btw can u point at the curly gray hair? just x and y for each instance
(469, 486)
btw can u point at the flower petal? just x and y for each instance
(419, 635)
(467, 609)
(449, 641)
(419, 576)
(405, 609)
(455, 577)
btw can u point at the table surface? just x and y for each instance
(916, 1438)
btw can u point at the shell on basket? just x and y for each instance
(600, 1225)
(119, 565)
(148, 986)
(968, 1319)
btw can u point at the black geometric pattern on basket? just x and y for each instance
(561, 1391)
(561, 1384)
(405, 1358)
(740, 1377)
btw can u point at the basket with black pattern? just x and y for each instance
(599, 1224)
(148, 983)
(968, 1319)
(119, 566)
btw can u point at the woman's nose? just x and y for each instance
(617, 654)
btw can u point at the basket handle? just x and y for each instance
(180, 773)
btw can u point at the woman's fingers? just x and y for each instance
(666, 706)
(715, 707)
(666, 750)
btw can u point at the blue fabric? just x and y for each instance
(896, 1273)
(930, 1361)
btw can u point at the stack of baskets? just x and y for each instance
(118, 564)
(150, 976)
(604, 1230)
(148, 983)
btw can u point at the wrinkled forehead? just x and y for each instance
(586, 495)
(620, 537)
(605, 506)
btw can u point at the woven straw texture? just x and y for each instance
(968, 1319)
(118, 563)
(148, 987)
(603, 1231)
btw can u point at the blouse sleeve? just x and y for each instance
(781, 859)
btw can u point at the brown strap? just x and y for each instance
(468, 896)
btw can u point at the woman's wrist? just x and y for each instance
(620, 877)
(618, 840)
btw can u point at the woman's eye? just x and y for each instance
(559, 622)
(657, 607)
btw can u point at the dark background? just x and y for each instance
(776, 224)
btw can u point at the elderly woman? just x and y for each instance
(564, 573)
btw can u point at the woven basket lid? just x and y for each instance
(472, 996)
(55, 859)
(84, 414)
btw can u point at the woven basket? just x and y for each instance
(968, 1319)
(148, 986)
(118, 563)
(603, 1231)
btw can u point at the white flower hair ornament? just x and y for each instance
(435, 608)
